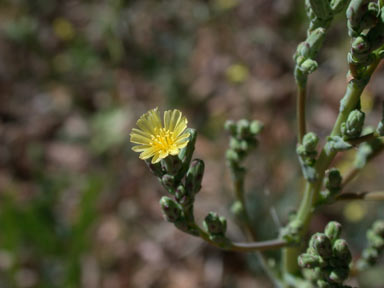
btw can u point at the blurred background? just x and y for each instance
(77, 206)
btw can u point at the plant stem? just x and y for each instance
(347, 104)
(369, 196)
(300, 110)
(244, 247)
(351, 174)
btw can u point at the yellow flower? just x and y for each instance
(156, 140)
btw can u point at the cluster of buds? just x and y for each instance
(332, 183)
(353, 127)
(350, 129)
(375, 248)
(243, 139)
(182, 178)
(320, 14)
(326, 261)
(216, 227)
(307, 152)
(366, 27)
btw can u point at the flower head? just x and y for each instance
(157, 140)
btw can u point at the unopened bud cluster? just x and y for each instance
(243, 139)
(307, 152)
(366, 27)
(326, 261)
(353, 127)
(332, 183)
(320, 14)
(371, 254)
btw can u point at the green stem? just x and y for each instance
(301, 123)
(347, 104)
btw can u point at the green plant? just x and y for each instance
(328, 257)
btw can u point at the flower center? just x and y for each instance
(163, 140)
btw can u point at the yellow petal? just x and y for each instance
(180, 127)
(141, 148)
(147, 154)
(138, 139)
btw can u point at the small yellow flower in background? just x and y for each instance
(237, 73)
(158, 141)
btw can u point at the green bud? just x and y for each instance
(214, 224)
(185, 154)
(171, 164)
(256, 127)
(333, 230)
(353, 127)
(375, 240)
(378, 228)
(333, 180)
(194, 176)
(370, 255)
(338, 5)
(308, 66)
(382, 14)
(232, 156)
(309, 261)
(360, 45)
(183, 197)
(356, 10)
(324, 284)
(243, 128)
(321, 9)
(231, 127)
(169, 182)
(235, 144)
(311, 46)
(322, 245)
(155, 168)
(339, 275)
(237, 209)
(310, 141)
(341, 251)
(171, 210)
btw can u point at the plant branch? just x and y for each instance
(369, 196)
(301, 119)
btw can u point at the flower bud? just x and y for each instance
(232, 156)
(323, 284)
(371, 255)
(353, 127)
(338, 5)
(243, 128)
(333, 180)
(322, 245)
(309, 261)
(256, 127)
(341, 251)
(321, 9)
(169, 182)
(194, 176)
(171, 210)
(185, 154)
(310, 141)
(333, 230)
(231, 127)
(308, 66)
(155, 168)
(360, 45)
(183, 197)
(378, 228)
(214, 224)
(339, 275)
(375, 240)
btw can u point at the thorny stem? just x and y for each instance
(347, 104)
